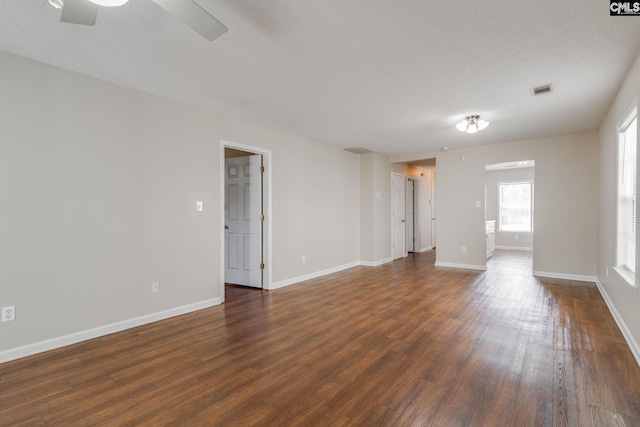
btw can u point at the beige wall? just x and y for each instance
(375, 241)
(367, 208)
(506, 240)
(623, 301)
(99, 185)
(565, 196)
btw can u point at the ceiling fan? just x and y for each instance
(84, 12)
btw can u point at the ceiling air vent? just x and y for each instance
(541, 90)
(358, 150)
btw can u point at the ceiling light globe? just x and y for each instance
(462, 126)
(482, 124)
(473, 128)
(109, 3)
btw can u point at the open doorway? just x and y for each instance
(509, 201)
(420, 205)
(245, 216)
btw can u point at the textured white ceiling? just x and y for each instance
(390, 76)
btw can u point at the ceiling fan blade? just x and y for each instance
(79, 12)
(195, 17)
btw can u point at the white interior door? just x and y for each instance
(411, 235)
(397, 216)
(243, 224)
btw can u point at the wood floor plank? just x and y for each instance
(534, 399)
(402, 344)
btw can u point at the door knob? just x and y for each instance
(403, 220)
(226, 227)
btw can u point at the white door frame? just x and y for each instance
(404, 206)
(415, 227)
(433, 223)
(266, 197)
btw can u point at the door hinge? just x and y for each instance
(262, 169)
(261, 217)
(262, 266)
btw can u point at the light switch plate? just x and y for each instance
(199, 206)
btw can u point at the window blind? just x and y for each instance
(627, 176)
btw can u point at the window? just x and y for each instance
(514, 206)
(626, 227)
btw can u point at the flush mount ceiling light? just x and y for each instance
(472, 124)
(109, 3)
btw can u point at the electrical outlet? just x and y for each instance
(155, 287)
(304, 258)
(9, 313)
(463, 249)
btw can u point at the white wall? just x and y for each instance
(506, 240)
(565, 238)
(98, 188)
(624, 301)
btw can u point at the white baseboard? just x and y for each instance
(375, 263)
(578, 277)
(76, 337)
(425, 249)
(515, 248)
(293, 280)
(465, 266)
(631, 342)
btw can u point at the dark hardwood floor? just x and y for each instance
(397, 345)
